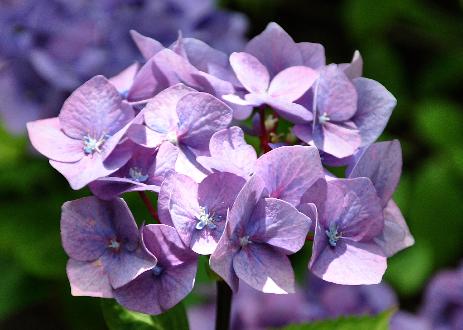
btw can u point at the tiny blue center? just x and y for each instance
(114, 245)
(206, 219)
(137, 175)
(157, 270)
(333, 235)
(91, 144)
(323, 118)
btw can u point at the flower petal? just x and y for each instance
(291, 83)
(47, 137)
(88, 279)
(375, 105)
(264, 269)
(250, 72)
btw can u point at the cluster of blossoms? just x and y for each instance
(173, 127)
(50, 47)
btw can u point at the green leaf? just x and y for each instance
(119, 318)
(377, 322)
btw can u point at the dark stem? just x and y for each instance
(264, 140)
(148, 205)
(223, 308)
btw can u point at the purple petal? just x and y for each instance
(47, 137)
(293, 112)
(336, 95)
(201, 55)
(291, 83)
(94, 109)
(316, 194)
(250, 72)
(375, 105)
(148, 46)
(264, 269)
(86, 228)
(124, 79)
(350, 263)
(186, 164)
(353, 69)
(313, 55)
(275, 49)
(124, 266)
(91, 167)
(283, 226)
(304, 132)
(395, 236)
(160, 112)
(289, 171)
(221, 260)
(154, 295)
(200, 116)
(166, 245)
(338, 140)
(245, 203)
(88, 279)
(353, 205)
(382, 163)
(145, 136)
(230, 153)
(183, 205)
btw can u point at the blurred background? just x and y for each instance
(47, 48)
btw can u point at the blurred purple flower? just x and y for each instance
(443, 300)
(61, 44)
(102, 240)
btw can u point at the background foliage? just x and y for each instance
(413, 47)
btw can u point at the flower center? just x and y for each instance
(245, 241)
(91, 145)
(324, 118)
(172, 138)
(157, 270)
(114, 245)
(333, 235)
(206, 219)
(136, 174)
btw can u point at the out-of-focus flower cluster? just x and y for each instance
(441, 309)
(175, 126)
(50, 47)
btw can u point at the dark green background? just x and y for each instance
(414, 48)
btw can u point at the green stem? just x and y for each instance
(223, 308)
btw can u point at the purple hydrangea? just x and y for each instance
(349, 218)
(199, 211)
(260, 233)
(103, 243)
(163, 127)
(169, 281)
(80, 142)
